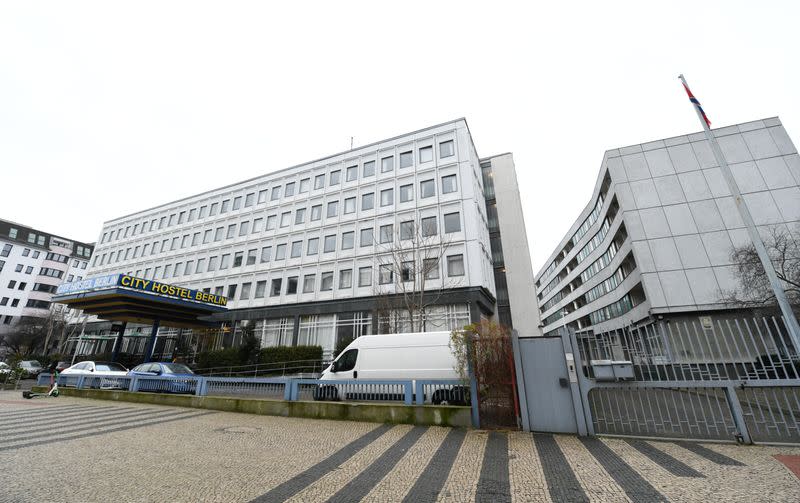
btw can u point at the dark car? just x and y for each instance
(183, 380)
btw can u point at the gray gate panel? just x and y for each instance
(772, 414)
(547, 386)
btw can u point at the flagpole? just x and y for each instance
(747, 218)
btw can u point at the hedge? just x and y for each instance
(233, 357)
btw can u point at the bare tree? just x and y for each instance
(410, 274)
(26, 337)
(754, 289)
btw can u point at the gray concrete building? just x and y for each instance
(656, 237)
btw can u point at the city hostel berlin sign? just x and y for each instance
(143, 285)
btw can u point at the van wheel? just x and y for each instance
(458, 395)
(440, 397)
(326, 393)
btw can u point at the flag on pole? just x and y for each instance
(695, 102)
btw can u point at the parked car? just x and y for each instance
(165, 369)
(105, 371)
(5, 369)
(30, 368)
(62, 366)
(398, 356)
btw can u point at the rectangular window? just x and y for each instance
(345, 278)
(333, 209)
(249, 200)
(452, 222)
(207, 236)
(262, 196)
(225, 261)
(367, 201)
(266, 254)
(258, 225)
(316, 212)
(334, 177)
(429, 227)
(244, 228)
(365, 276)
(173, 247)
(226, 204)
(195, 239)
(261, 288)
(291, 285)
(252, 255)
(326, 282)
(179, 269)
(386, 233)
(406, 193)
(319, 182)
(407, 271)
(6, 250)
(171, 221)
(385, 274)
(387, 197)
(313, 246)
(406, 159)
(407, 230)
(212, 263)
(245, 291)
(289, 191)
(387, 164)
(430, 268)
(286, 218)
(26, 252)
(455, 265)
(305, 184)
(201, 265)
(299, 216)
(213, 210)
(219, 233)
(329, 244)
(449, 184)
(237, 202)
(231, 231)
(351, 173)
(231, 292)
(201, 214)
(425, 154)
(308, 283)
(280, 251)
(366, 237)
(297, 249)
(427, 188)
(349, 205)
(275, 289)
(218, 290)
(446, 149)
(347, 240)
(276, 193)
(271, 220)
(369, 168)
(181, 218)
(189, 267)
(168, 271)
(238, 257)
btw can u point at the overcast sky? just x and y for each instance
(109, 108)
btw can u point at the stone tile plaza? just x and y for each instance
(204, 456)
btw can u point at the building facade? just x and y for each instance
(388, 237)
(656, 238)
(32, 265)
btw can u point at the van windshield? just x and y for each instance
(347, 361)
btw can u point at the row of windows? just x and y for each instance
(20, 267)
(599, 264)
(446, 149)
(594, 242)
(53, 273)
(427, 189)
(607, 285)
(308, 282)
(407, 230)
(27, 252)
(38, 304)
(4, 302)
(610, 311)
(13, 284)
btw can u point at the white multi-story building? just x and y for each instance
(325, 250)
(32, 264)
(656, 238)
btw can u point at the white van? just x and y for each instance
(393, 356)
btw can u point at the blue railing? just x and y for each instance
(409, 392)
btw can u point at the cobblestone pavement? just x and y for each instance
(77, 450)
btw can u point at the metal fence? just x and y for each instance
(408, 392)
(721, 378)
(289, 368)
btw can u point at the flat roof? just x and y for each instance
(121, 297)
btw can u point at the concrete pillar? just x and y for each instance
(118, 343)
(151, 343)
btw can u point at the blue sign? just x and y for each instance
(88, 284)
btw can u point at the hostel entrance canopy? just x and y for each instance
(121, 297)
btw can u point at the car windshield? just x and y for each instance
(109, 367)
(176, 368)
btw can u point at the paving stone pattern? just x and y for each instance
(69, 449)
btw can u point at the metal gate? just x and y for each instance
(722, 378)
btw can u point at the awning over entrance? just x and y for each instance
(121, 297)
